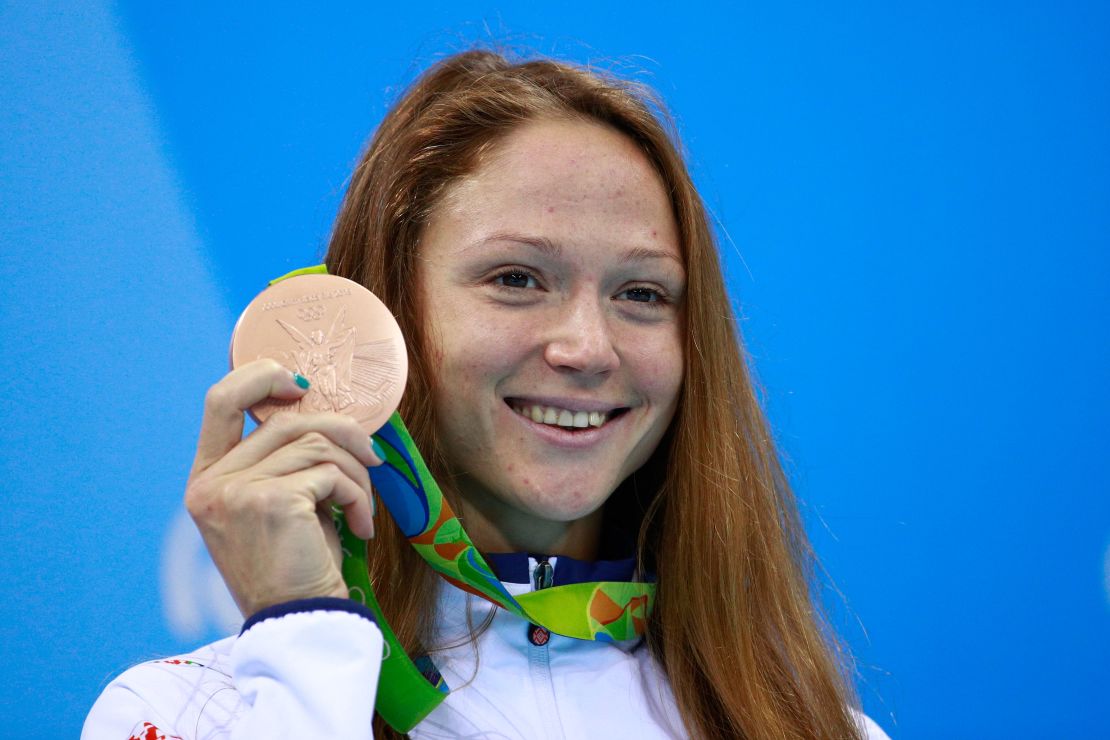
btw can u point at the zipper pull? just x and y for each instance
(542, 577)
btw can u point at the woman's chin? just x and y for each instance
(559, 504)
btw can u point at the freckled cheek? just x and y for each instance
(497, 348)
(467, 346)
(471, 365)
(658, 369)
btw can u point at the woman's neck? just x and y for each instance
(494, 527)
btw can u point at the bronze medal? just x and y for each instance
(337, 334)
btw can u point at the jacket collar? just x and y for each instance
(514, 567)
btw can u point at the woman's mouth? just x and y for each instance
(556, 416)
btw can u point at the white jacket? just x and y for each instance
(310, 670)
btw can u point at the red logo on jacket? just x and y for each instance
(150, 732)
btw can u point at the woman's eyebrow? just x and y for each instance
(639, 254)
(543, 244)
(550, 248)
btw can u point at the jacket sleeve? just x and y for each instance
(298, 670)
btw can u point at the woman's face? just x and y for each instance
(552, 284)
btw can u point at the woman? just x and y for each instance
(577, 386)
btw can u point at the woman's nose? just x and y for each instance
(581, 339)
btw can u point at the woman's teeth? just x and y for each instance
(562, 417)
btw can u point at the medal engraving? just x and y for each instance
(343, 372)
(335, 333)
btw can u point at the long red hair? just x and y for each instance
(736, 628)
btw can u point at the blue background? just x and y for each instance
(914, 205)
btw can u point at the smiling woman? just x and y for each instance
(577, 386)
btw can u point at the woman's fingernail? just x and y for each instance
(301, 380)
(378, 450)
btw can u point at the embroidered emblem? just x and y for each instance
(150, 732)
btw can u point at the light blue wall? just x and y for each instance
(916, 210)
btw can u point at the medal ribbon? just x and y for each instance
(606, 611)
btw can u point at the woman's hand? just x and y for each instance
(263, 503)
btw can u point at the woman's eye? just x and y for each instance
(642, 295)
(516, 279)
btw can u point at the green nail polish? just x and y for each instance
(300, 380)
(377, 449)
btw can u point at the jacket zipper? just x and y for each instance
(542, 578)
(539, 662)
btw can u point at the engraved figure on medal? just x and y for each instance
(346, 376)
